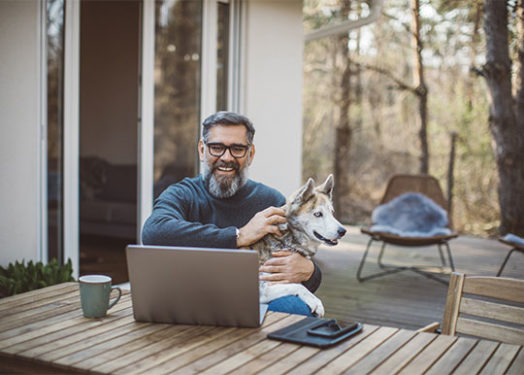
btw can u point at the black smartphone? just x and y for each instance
(331, 329)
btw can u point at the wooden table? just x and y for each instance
(44, 330)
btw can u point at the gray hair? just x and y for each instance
(227, 118)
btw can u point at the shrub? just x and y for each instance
(19, 277)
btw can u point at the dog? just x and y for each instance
(310, 222)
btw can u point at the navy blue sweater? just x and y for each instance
(185, 214)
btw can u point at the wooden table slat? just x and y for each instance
(43, 302)
(500, 360)
(267, 359)
(313, 364)
(28, 340)
(429, 355)
(380, 354)
(40, 313)
(354, 354)
(188, 339)
(72, 335)
(225, 352)
(89, 342)
(404, 355)
(476, 359)
(452, 358)
(517, 366)
(177, 359)
(288, 363)
(242, 357)
(35, 295)
(141, 332)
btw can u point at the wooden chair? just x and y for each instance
(485, 312)
(515, 247)
(398, 185)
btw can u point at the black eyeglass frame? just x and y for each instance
(245, 149)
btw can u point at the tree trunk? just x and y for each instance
(343, 129)
(506, 127)
(421, 89)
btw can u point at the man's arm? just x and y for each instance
(291, 267)
(168, 225)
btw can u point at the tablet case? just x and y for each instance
(321, 333)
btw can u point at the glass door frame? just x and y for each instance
(145, 126)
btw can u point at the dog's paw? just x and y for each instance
(314, 304)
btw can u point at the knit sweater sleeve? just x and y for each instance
(170, 225)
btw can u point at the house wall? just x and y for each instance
(19, 130)
(273, 49)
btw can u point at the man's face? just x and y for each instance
(225, 174)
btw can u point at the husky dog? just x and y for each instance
(310, 222)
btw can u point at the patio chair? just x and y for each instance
(484, 312)
(517, 244)
(400, 186)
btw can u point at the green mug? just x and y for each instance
(94, 295)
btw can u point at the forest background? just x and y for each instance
(362, 107)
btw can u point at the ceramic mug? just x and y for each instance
(94, 295)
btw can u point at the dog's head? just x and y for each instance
(310, 211)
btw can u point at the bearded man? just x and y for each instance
(223, 208)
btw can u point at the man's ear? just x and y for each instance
(251, 154)
(327, 186)
(201, 150)
(305, 192)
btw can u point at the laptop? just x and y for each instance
(183, 285)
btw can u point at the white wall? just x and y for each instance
(19, 117)
(272, 87)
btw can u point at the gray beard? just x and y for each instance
(224, 186)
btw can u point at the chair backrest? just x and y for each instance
(416, 183)
(486, 307)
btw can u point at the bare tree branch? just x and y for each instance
(400, 84)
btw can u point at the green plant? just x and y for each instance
(19, 277)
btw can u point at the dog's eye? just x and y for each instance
(318, 214)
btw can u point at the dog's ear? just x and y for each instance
(305, 192)
(327, 186)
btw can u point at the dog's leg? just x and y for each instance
(269, 293)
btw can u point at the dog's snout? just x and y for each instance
(341, 232)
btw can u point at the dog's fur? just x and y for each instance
(310, 222)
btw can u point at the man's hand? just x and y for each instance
(261, 224)
(287, 267)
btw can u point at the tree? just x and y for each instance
(343, 128)
(506, 109)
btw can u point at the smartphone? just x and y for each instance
(331, 329)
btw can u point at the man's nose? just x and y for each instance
(227, 155)
(341, 231)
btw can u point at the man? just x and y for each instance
(222, 208)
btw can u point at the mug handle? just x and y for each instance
(117, 298)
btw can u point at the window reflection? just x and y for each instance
(178, 40)
(55, 83)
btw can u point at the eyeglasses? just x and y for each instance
(218, 149)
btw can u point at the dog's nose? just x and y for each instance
(341, 232)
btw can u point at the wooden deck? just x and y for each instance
(406, 299)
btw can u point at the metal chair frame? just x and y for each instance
(518, 248)
(398, 184)
(390, 269)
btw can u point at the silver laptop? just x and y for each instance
(195, 286)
